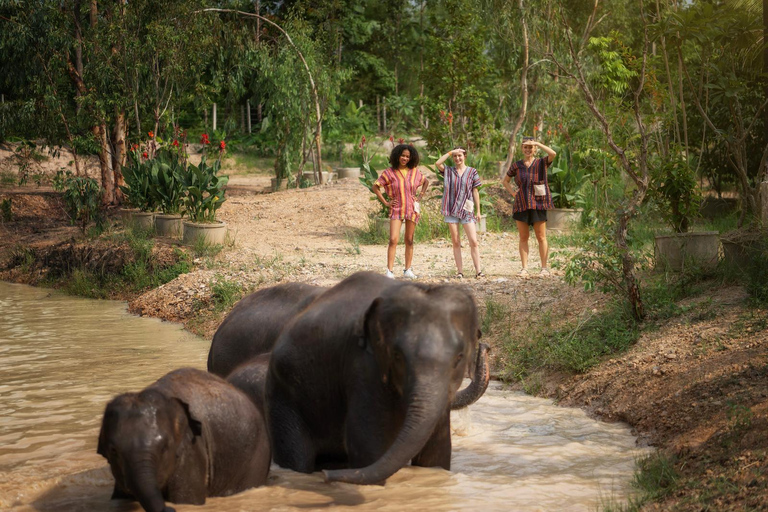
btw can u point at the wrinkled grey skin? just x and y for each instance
(253, 325)
(251, 378)
(364, 378)
(187, 436)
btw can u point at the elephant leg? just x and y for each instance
(437, 450)
(292, 445)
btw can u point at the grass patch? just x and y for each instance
(573, 348)
(225, 294)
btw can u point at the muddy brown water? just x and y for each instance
(62, 359)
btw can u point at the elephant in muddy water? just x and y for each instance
(253, 325)
(188, 436)
(364, 378)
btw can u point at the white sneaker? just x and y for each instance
(409, 273)
(389, 274)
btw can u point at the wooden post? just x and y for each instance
(384, 112)
(248, 116)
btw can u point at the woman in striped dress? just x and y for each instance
(461, 204)
(532, 199)
(401, 182)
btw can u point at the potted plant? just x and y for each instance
(204, 196)
(138, 189)
(567, 184)
(675, 191)
(167, 176)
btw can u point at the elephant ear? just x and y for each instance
(373, 338)
(195, 426)
(103, 447)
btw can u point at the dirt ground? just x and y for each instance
(696, 386)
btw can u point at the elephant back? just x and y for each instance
(233, 429)
(254, 324)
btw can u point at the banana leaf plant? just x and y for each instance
(205, 190)
(568, 183)
(368, 178)
(167, 175)
(139, 182)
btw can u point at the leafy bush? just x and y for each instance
(167, 180)
(367, 178)
(82, 197)
(205, 190)
(139, 182)
(5, 210)
(567, 180)
(674, 189)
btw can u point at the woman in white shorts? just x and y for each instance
(461, 205)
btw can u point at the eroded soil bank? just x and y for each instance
(694, 385)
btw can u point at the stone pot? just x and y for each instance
(211, 232)
(136, 219)
(481, 225)
(674, 252)
(563, 219)
(348, 172)
(382, 227)
(328, 177)
(168, 224)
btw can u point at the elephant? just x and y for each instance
(253, 325)
(362, 381)
(251, 378)
(188, 436)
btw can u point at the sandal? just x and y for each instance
(545, 271)
(459, 275)
(479, 275)
(523, 273)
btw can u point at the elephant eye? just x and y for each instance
(459, 359)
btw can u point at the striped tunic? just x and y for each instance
(456, 190)
(401, 188)
(525, 177)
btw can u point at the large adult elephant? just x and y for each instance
(253, 325)
(187, 436)
(365, 376)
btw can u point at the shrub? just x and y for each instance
(205, 190)
(82, 197)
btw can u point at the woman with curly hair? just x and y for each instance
(405, 185)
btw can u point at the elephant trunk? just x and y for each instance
(142, 481)
(480, 379)
(425, 408)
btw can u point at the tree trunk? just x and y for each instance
(248, 115)
(118, 157)
(105, 162)
(523, 90)
(213, 114)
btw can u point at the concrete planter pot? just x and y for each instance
(481, 225)
(328, 177)
(348, 172)
(168, 224)
(136, 219)
(563, 219)
(674, 252)
(210, 232)
(382, 227)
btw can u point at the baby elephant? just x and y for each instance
(187, 436)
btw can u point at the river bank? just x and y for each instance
(695, 384)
